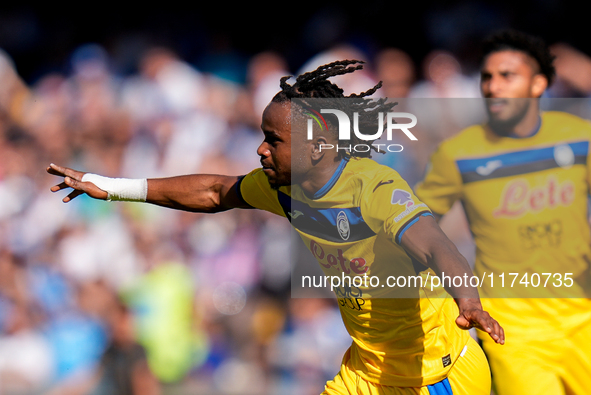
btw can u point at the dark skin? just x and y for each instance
(511, 75)
(310, 168)
(504, 77)
(507, 79)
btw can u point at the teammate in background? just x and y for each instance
(400, 346)
(523, 179)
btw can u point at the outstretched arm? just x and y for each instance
(207, 193)
(427, 243)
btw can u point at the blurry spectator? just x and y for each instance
(124, 368)
(26, 358)
(573, 72)
(310, 349)
(162, 301)
(263, 75)
(396, 70)
(78, 340)
(443, 78)
(15, 96)
(356, 82)
(182, 87)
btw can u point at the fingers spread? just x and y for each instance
(56, 170)
(72, 195)
(73, 179)
(59, 187)
(64, 171)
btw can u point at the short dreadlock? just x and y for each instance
(532, 46)
(315, 85)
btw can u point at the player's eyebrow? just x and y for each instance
(271, 133)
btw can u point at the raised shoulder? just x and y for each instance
(566, 122)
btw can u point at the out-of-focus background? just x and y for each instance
(123, 298)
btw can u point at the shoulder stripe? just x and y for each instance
(522, 162)
(409, 223)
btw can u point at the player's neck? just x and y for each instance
(319, 176)
(529, 125)
(526, 127)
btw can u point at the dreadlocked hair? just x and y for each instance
(315, 85)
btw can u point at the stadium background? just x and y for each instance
(149, 92)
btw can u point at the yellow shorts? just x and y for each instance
(529, 364)
(470, 375)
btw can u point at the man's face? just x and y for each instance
(507, 78)
(276, 150)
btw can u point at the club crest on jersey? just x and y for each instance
(402, 197)
(564, 156)
(343, 225)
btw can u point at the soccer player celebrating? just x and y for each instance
(356, 217)
(523, 179)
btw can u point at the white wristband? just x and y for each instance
(123, 189)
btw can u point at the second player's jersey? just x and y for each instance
(353, 227)
(525, 198)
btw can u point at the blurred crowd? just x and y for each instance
(127, 298)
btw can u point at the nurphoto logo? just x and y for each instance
(344, 127)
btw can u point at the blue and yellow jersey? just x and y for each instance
(353, 226)
(526, 204)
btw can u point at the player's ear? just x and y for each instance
(539, 85)
(319, 146)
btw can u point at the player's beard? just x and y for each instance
(279, 180)
(506, 127)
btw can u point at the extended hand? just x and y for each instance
(73, 179)
(472, 316)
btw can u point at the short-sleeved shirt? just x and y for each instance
(353, 225)
(526, 204)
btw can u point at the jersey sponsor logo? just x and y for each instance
(489, 167)
(541, 234)
(343, 225)
(518, 197)
(295, 214)
(408, 210)
(337, 260)
(402, 197)
(350, 297)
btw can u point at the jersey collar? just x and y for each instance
(333, 179)
(534, 131)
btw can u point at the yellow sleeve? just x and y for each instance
(442, 184)
(588, 129)
(255, 190)
(389, 204)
